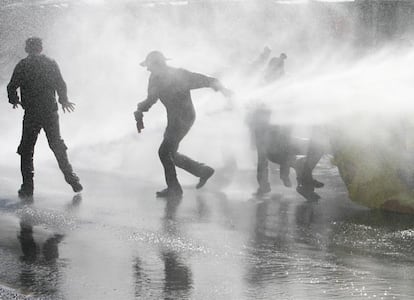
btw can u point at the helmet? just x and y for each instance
(154, 57)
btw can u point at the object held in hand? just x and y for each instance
(139, 118)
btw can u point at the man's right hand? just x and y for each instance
(16, 105)
(227, 93)
(139, 118)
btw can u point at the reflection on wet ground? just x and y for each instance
(122, 243)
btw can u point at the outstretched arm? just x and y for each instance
(218, 86)
(196, 81)
(61, 89)
(145, 105)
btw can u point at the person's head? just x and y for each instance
(266, 52)
(283, 56)
(33, 46)
(155, 62)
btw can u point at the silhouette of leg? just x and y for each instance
(193, 167)
(27, 243)
(51, 127)
(315, 152)
(167, 150)
(262, 174)
(284, 173)
(31, 129)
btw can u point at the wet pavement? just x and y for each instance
(117, 241)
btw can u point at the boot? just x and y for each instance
(73, 180)
(26, 167)
(205, 175)
(262, 190)
(170, 192)
(25, 191)
(309, 181)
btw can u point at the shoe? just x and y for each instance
(308, 192)
(286, 181)
(317, 184)
(25, 192)
(207, 173)
(170, 193)
(310, 182)
(76, 186)
(262, 190)
(73, 180)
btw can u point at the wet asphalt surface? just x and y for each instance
(115, 240)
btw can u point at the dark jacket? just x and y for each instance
(38, 78)
(173, 89)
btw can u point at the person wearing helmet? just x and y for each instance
(39, 79)
(172, 86)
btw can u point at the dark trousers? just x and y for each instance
(32, 124)
(262, 174)
(279, 147)
(317, 147)
(170, 157)
(276, 150)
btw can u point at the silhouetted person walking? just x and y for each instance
(262, 131)
(172, 86)
(39, 79)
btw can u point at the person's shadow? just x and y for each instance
(40, 272)
(177, 274)
(31, 250)
(270, 244)
(177, 281)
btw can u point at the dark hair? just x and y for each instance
(34, 45)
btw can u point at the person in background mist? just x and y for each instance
(260, 61)
(39, 79)
(275, 68)
(275, 143)
(261, 130)
(172, 86)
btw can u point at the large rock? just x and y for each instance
(374, 163)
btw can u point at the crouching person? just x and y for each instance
(276, 144)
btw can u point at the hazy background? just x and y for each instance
(342, 61)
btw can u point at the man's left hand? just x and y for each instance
(68, 107)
